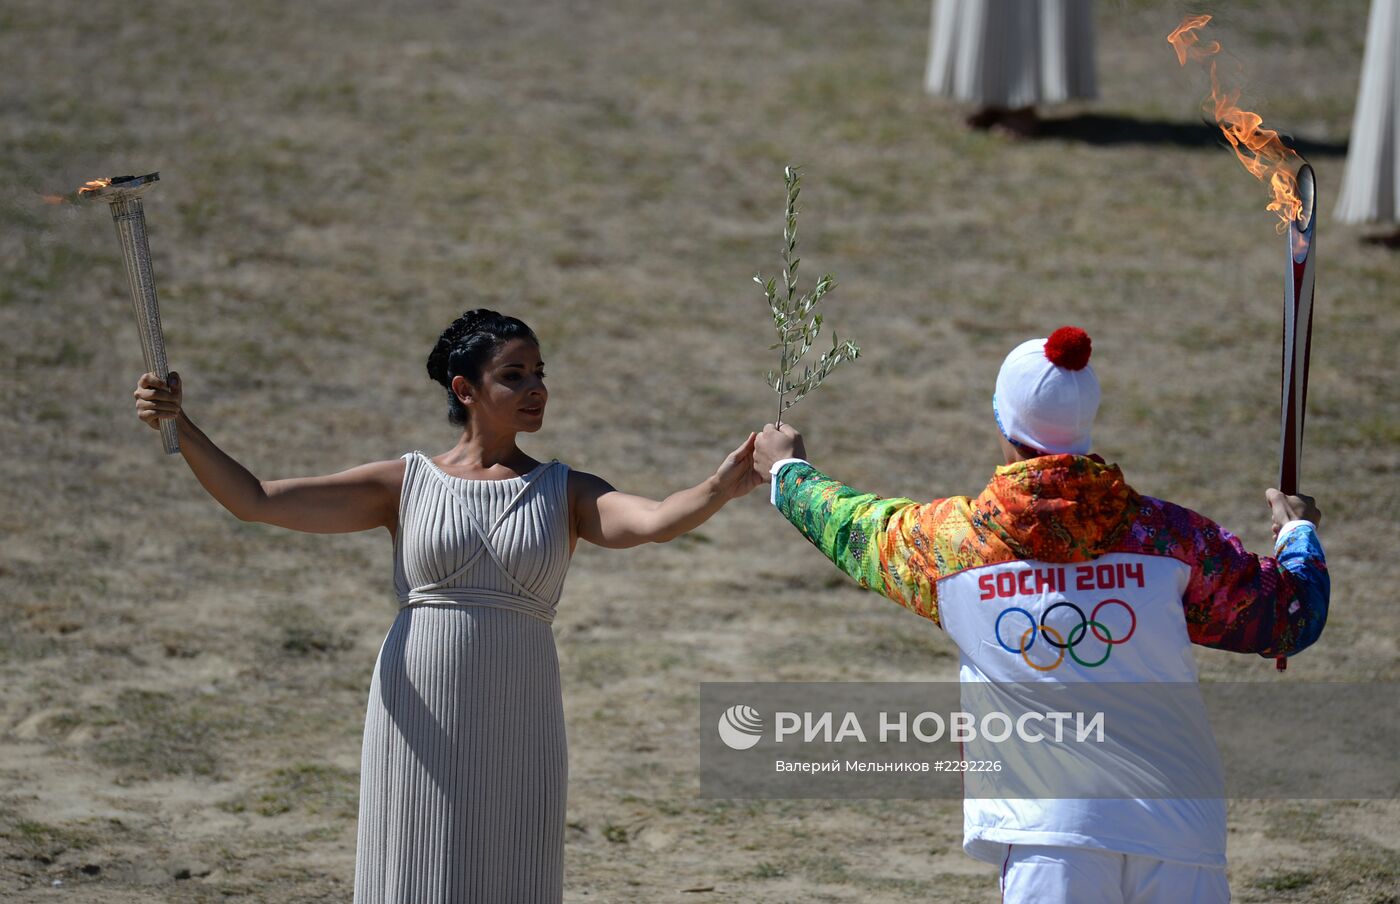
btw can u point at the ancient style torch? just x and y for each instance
(123, 194)
(1297, 337)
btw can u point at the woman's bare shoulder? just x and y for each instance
(389, 472)
(583, 483)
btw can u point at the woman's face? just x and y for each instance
(511, 394)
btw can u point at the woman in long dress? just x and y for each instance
(464, 769)
(1008, 56)
(1371, 186)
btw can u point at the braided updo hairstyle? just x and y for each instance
(466, 346)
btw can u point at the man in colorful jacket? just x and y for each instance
(1060, 549)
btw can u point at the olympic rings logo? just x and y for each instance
(1057, 641)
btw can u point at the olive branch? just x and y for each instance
(797, 326)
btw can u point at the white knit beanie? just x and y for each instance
(1047, 394)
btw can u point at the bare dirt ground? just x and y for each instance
(183, 693)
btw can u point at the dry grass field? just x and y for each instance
(184, 693)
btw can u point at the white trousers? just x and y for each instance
(1034, 874)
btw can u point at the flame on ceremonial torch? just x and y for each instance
(1259, 150)
(1294, 188)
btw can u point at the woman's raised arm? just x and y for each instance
(361, 498)
(606, 517)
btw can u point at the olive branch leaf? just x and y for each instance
(793, 317)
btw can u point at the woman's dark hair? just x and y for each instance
(466, 346)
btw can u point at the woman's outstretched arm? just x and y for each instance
(361, 498)
(606, 517)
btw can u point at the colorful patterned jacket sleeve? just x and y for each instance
(1236, 600)
(866, 536)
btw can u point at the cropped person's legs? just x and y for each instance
(1036, 874)
(1151, 881)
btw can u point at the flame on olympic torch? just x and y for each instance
(1259, 150)
(86, 188)
(93, 185)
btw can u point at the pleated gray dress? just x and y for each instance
(1371, 187)
(1012, 53)
(464, 772)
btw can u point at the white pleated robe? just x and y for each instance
(1370, 187)
(1012, 53)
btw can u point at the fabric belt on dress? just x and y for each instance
(468, 596)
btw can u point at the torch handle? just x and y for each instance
(1297, 338)
(170, 436)
(130, 220)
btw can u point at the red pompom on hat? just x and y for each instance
(1069, 347)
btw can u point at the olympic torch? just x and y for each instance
(1297, 337)
(1264, 155)
(123, 195)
